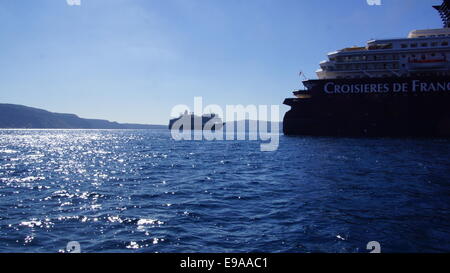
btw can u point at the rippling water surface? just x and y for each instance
(141, 191)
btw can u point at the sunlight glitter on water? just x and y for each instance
(141, 191)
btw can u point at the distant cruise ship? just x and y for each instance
(390, 87)
(191, 122)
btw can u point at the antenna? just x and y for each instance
(303, 76)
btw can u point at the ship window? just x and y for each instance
(424, 45)
(434, 44)
(444, 43)
(413, 45)
(404, 45)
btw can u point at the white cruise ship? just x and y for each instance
(422, 53)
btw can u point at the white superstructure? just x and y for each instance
(423, 53)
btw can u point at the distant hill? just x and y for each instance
(23, 117)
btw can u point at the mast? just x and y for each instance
(444, 11)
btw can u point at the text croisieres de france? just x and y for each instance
(413, 86)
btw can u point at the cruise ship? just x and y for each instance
(190, 122)
(387, 88)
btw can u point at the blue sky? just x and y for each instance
(133, 60)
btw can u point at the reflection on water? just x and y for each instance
(141, 191)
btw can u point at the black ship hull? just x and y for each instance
(406, 107)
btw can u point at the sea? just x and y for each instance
(142, 191)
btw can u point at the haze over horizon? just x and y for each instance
(132, 61)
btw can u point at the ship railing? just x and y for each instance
(301, 91)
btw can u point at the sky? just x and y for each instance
(134, 60)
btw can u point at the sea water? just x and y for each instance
(142, 191)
